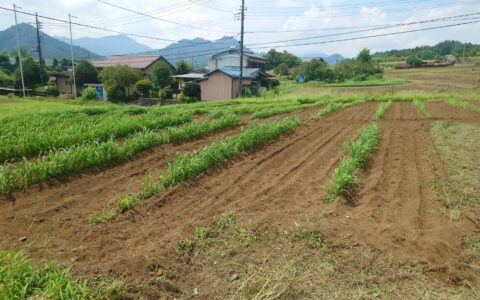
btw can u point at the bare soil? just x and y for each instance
(276, 185)
(444, 111)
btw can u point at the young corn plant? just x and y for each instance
(382, 109)
(80, 157)
(344, 182)
(422, 107)
(188, 166)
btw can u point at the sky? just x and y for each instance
(281, 24)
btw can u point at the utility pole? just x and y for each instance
(73, 58)
(242, 20)
(19, 50)
(39, 48)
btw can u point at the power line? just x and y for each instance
(161, 19)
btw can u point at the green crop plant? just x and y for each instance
(80, 157)
(32, 135)
(188, 166)
(422, 107)
(20, 279)
(344, 182)
(334, 106)
(382, 109)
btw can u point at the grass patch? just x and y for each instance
(458, 146)
(334, 106)
(422, 107)
(102, 216)
(19, 279)
(382, 109)
(344, 182)
(352, 83)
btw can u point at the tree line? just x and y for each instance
(286, 64)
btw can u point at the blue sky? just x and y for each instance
(268, 23)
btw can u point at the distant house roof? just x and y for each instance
(237, 51)
(248, 73)
(134, 61)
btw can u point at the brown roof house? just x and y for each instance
(144, 63)
(62, 81)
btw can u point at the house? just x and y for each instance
(224, 83)
(231, 59)
(450, 58)
(62, 81)
(144, 63)
(184, 78)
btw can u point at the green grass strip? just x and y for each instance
(463, 104)
(19, 279)
(334, 106)
(80, 157)
(422, 107)
(188, 166)
(344, 182)
(382, 109)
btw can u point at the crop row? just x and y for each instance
(188, 166)
(79, 157)
(344, 182)
(29, 137)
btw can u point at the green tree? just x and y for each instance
(275, 58)
(160, 75)
(5, 64)
(144, 87)
(183, 67)
(281, 69)
(344, 69)
(315, 69)
(118, 81)
(85, 72)
(31, 74)
(364, 57)
(414, 61)
(192, 90)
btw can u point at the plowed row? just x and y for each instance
(278, 184)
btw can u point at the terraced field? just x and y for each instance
(230, 199)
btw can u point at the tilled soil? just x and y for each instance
(278, 184)
(444, 111)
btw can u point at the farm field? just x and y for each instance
(316, 193)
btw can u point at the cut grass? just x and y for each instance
(188, 166)
(80, 157)
(344, 182)
(19, 279)
(382, 109)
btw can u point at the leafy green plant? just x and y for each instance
(422, 107)
(19, 279)
(89, 94)
(80, 157)
(382, 109)
(343, 181)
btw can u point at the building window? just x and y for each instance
(67, 82)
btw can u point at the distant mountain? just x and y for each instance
(196, 50)
(329, 59)
(109, 45)
(51, 47)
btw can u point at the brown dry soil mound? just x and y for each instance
(276, 185)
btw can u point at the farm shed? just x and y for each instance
(225, 83)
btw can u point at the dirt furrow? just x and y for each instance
(444, 111)
(396, 211)
(403, 111)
